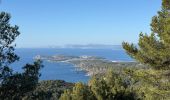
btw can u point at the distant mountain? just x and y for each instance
(78, 46)
(94, 46)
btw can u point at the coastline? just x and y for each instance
(91, 65)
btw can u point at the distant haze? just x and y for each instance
(79, 46)
(94, 46)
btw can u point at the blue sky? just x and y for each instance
(58, 22)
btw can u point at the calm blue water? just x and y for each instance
(65, 71)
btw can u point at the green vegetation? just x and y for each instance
(166, 4)
(154, 49)
(119, 83)
(79, 92)
(90, 64)
(48, 90)
(14, 85)
(123, 84)
(93, 67)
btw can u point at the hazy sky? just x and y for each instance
(59, 22)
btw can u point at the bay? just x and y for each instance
(65, 71)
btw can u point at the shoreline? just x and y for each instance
(91, 65)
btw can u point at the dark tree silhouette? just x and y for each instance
(13, 86)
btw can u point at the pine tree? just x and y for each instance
(8, 34)
(13, 86)
(166, 4)
(154, 49)
(79, 92)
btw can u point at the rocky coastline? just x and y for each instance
(90, 64)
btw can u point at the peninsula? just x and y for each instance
(92, 65)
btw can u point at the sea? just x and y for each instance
(61, 70)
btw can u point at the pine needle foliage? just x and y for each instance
(154, 49)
